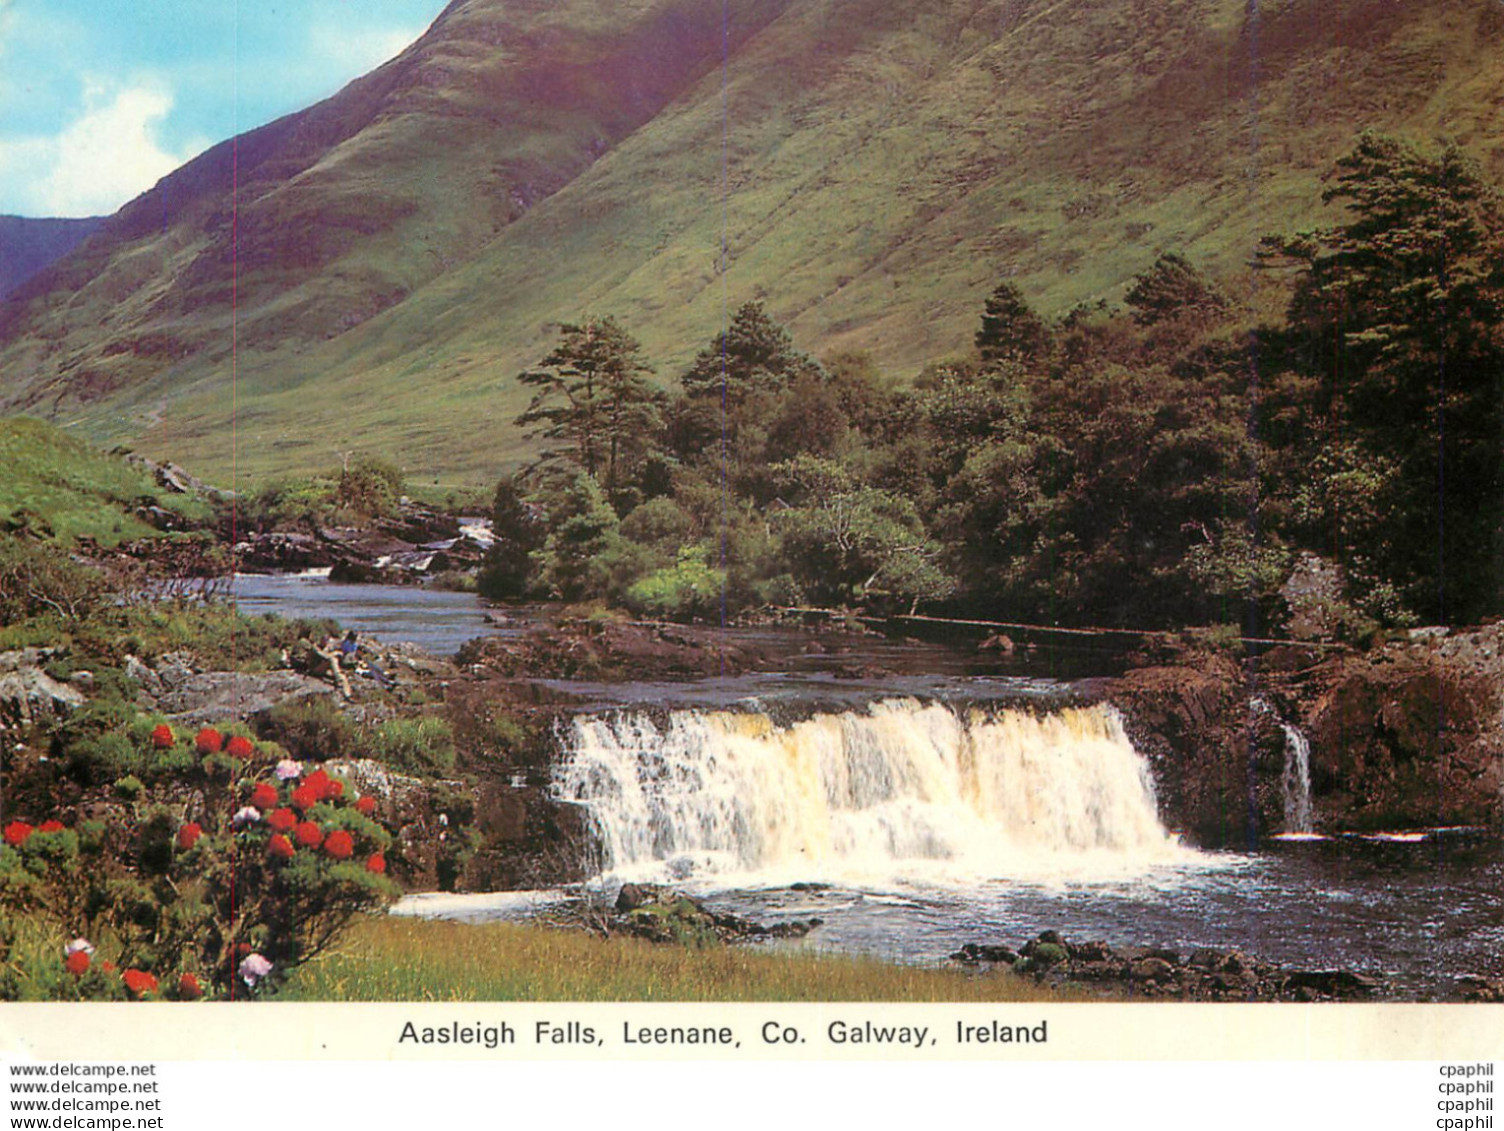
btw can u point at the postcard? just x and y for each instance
(761, 536)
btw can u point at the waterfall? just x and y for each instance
(1295, 780)
(898, 789)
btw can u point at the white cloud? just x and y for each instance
(354, 51)
(103, 158)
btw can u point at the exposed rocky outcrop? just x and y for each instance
(1411, 733)
(663, 915)
(1202, 975)
(1408, 734)
(610, 650)
(28, 694)
(415, 543)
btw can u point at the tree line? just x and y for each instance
(1170, 462)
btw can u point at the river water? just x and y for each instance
(949, 804)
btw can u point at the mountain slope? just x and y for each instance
(314, 223)
(28, 245)
(870, 169)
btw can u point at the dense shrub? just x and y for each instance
(185, 888)
(423, 746)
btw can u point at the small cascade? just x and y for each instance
(899, 789)
(1295, 781)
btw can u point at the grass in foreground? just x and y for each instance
(394, 959)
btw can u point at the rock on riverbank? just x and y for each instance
(1163, 972)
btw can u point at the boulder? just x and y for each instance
(206, 697)
(28, 694)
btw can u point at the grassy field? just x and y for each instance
(398, 959)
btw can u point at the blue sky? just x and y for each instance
(101, 98)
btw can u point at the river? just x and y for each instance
(917, 812)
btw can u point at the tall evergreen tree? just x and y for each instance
(593, 394)
(1401, 305)
(1010, 329)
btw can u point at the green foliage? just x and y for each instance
(509, 571)
(1173, 288)
(579, 552)
(38, 576)
(1398, 308)
(368, 488)
(849, 541)
(423, 746)
(593, 396)
(753, 355)
(1010, 330)
(309, 729)
(689, 588)
(363, 488)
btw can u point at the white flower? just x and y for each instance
(79, 944)
(246, 816)
(287, 769)
(253, 968)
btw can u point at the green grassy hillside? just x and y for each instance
(56, 484)
(869, 169)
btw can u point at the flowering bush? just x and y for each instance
(208, 741)
(162, 737)
(189, 891)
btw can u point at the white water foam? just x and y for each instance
(900, 791)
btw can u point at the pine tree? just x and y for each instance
(593, 394)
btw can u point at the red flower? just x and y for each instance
(282, 820)
(309, 835)
(77, 962)
(280, 847)
(376, 863)
(52, 826)
(16, 833)
(188, 835)
(366, 805)
(208, 741)
(107, 966)
(336, 789)
(264, 796)
(340, 844)
(305, 797)
(139, 982)
(319, 782)
(188, 987)
(239, 747)
(162, 737)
